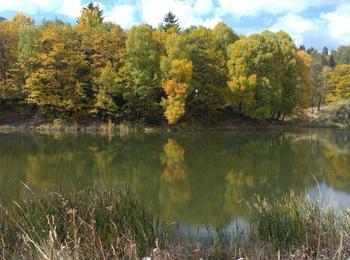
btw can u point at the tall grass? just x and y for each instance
(90, 224)
(84, 224)
(299, 224)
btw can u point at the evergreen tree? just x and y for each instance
(325, 51)
(170, 21)
(331, 61)
(91, 16)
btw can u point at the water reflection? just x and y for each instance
(198, 178)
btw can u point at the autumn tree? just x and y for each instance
(224, 36)
(107, 84)
(91, 16)
(263, 75)
(318, 79)
(339, 83)
(58, 79)
(11, 71)
(206, 93)
(177, 75)
(342, 55)
(143, 91)
(304, 86)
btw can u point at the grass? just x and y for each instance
(111, 225)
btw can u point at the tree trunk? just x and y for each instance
(319, 104)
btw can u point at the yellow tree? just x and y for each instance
(339, 83)
(11, 77)
(177, 73)
(58, 80)
(304, 86)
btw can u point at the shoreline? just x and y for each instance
(132, 127)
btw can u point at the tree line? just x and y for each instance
(96, 68)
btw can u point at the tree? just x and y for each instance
(325, 51)
(207, 90)
(339, 83)
(170, 21)
(224, 36)
(331, 61)
(91, 16)
(342, 55)
(107, 90)
(304, 88)
(318, 80)
(263, 75)
(11, 72)
(58, 80)
(143, 91)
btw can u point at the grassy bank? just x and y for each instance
(105, 225)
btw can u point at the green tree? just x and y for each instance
(206, 93)
(342, 55)
(107, 91)
(170, 22)
(143, 91)
(331, 61)
(224, 36)
(11, 72)
(318, 80)
(263, 75)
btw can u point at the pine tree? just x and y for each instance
(91, 16)
(331, 62)
(325, 51)
(170, 21)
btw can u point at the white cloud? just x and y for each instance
(124, 15)
(71, 8)
(297, 26)
(188, 13)
(204, 7)
(211, 22)
(30, 6)
(338, 24)
(239, 8)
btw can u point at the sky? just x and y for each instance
(315, 23)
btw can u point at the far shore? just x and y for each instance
(96, 126)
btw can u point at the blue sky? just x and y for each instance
(314, 23)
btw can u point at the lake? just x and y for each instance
(197, 179)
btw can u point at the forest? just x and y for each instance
(96, 69)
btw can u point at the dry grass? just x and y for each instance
(111, 225)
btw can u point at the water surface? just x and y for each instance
(194, 178)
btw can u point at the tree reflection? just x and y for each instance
(199, 178)
(175, 189)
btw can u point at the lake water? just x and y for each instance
(194, 178)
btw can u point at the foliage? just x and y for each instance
(263, 75)
(143, 91)
(60, 70)
(170, 22)
(304, 90)
(63, 69)
(342, 55)
(87, 223)
(339, 83)
(318, 79)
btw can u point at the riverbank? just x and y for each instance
(115, 224)
(92, 125)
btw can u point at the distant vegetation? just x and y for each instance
(109, 225)
(97, 69)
